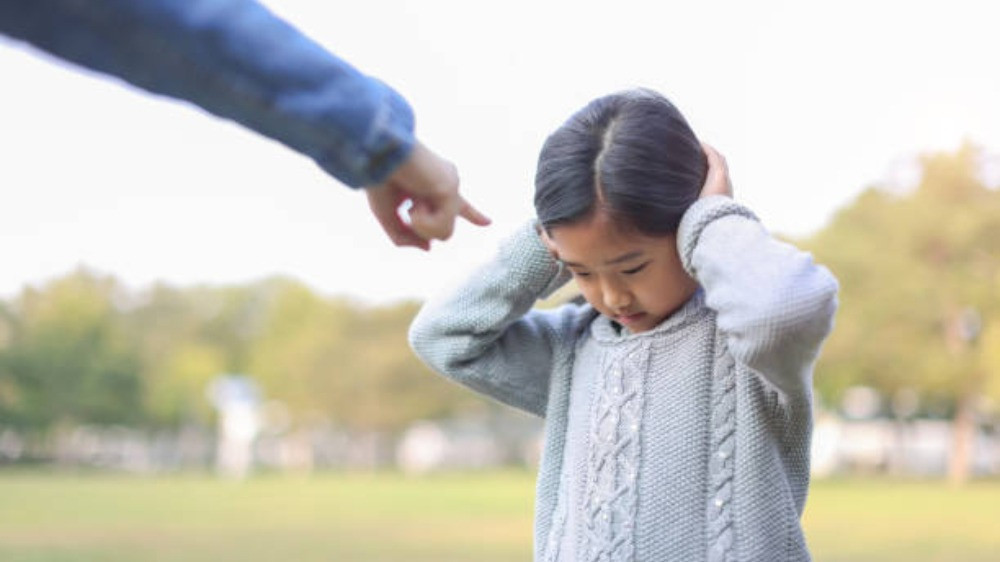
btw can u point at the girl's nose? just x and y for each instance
(616, 298)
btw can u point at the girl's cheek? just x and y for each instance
(588, 292)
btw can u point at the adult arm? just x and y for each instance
(237, 60)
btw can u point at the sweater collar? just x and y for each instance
(606, 330)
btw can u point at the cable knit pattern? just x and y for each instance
(722, 464)
(555, 534)
(686, 442)
(614, 455)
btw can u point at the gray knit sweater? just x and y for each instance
(687, 442)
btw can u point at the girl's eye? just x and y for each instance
(580, 273)
(636, 269)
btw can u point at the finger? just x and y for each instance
(385, 206)
(548, 243)
(717, 179)
(402, 235)
(432, 221)
(431, 225)
(472, 214)
(716, 162)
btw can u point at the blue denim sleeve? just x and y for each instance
(237, 60)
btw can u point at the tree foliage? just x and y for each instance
(82, 349)
(920, 285)
(67, 358)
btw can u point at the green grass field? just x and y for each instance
(480, 517)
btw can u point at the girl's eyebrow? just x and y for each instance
(619, 259)
(624, 257)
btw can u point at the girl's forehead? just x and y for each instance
(595, 243)
(595, 231)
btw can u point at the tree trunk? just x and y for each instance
(963, 440)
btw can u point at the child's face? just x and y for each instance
(636, 280)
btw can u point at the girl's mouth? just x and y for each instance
(628, 319)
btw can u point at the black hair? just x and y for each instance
(630, 154)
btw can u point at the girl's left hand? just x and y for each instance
(717, 180)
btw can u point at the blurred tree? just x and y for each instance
(178, 361)
(9, 389)
(346, 363)
(389, 387)
(83, 350)
(920, 279)
(232, 322)
(67, 359)
(301, 347)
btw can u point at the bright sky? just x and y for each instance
(809, 101)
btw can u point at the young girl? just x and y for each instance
(678, 400)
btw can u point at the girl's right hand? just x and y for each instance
(546, 241)
(717, 180)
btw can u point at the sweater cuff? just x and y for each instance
(531, 263)
(698, 216)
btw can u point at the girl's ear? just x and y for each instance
(549, 244)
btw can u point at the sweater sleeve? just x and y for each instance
(237, 60)
(773, 303)
(485, 335)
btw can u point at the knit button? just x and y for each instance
(722, 454)
(718, 502)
